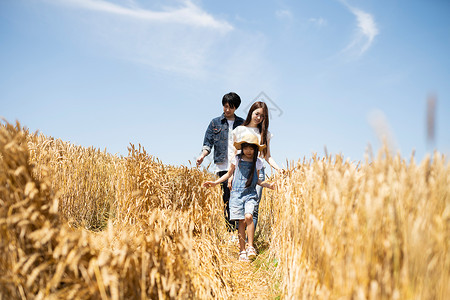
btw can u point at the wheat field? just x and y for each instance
(80, 223)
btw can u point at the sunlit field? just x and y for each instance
(80, 223)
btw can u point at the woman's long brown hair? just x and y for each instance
(263, 126)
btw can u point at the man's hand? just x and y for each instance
(201, 157)
(200, 160)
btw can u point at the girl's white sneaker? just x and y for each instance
(243, 256)
(251, 253)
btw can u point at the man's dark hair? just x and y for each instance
(232, 99)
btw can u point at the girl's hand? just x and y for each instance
(271, 185)
(208, 184)
(267, 185)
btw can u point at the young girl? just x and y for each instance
(245, 170)
(257, 123)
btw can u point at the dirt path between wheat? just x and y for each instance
(252, 280)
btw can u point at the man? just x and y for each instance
(219, 136)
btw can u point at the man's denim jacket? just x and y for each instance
(217, 136)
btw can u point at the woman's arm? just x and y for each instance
(270, 159)
(221, 179)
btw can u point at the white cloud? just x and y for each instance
(123, 30)
(189, 14)
(176, 39)
(366, 32)
(318, 21)
(284, 14)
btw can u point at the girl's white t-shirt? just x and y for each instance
(259, 162)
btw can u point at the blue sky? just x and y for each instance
(340, 74)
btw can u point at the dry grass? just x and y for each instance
(153, 246)
(79, 223)
(380, 230)
(86, 179)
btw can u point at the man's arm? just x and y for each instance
(201, 157)
(207, 144)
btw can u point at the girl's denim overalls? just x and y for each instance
(243, 200)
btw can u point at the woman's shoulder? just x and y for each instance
(246, 129)
(235, 159)
(239, 128)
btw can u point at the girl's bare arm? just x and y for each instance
(221, 179)
(266, 184)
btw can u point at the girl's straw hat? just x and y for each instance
(249, 139)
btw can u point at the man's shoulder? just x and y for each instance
(239, 120)
(217, 119)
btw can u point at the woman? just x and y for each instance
(257, 123)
